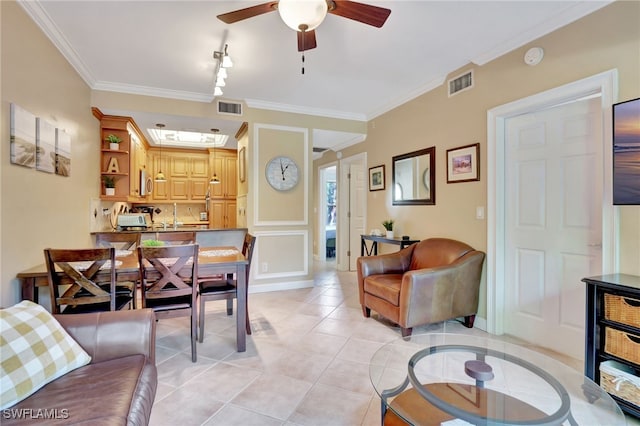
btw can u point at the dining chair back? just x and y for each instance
(83, 280)
(119, 240)
(125, 243)
(168, 277)
(225, 288)
(177, 237)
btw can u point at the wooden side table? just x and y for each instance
(373, 250)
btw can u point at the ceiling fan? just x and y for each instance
(304, 16)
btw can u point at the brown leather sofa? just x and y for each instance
(431, 281)
(118, 387)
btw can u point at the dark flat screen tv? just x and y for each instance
(626, 153)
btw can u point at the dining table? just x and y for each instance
(211, 261)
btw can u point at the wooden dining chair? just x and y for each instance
(169, 277)
(81, 280)
(225, 288)
(119, 240)
(177, 237)
(123, 242)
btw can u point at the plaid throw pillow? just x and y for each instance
(34, 350)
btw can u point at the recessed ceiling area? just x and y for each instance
(187, 125)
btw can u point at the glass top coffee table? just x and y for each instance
(457, 379)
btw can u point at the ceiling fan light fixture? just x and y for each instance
(299, 13)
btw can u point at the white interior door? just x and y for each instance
(352, 213)
(553, 222)
(357, 211)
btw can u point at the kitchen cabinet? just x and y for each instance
(223, 205)
(187, 175)
(222, 214)
(160, 189)
(225, 164)
(125, 163)
(138, 163)
(613, 332)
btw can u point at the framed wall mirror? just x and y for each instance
(414, 178)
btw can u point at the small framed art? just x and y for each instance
(376, 178)
(242, 164)
(463, 164)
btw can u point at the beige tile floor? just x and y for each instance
(306, 362)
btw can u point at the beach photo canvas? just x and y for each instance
(626, 153)
(22, 137)
(46, 146)
(63, 153)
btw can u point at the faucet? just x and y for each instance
(175, 216)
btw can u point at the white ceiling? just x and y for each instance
(165, 48)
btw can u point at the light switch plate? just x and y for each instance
(480, 212)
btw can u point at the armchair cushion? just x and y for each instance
(35, 350)
(385, 286)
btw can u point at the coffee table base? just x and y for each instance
(480, 401)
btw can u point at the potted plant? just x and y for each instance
(388, 225)
(109, 185)
(114, 142)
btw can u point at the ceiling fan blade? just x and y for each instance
(365, 13)
(309, 41)
(248, 12)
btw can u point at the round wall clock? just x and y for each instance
(282, 173)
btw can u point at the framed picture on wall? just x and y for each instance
(376, 178)
(23, 137)
(242, 164)
(46, 143)
(463, 164)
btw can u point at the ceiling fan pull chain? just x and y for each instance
(303, 29)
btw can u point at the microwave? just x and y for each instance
(146, 183)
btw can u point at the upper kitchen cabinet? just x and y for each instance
(187, 175)
(126, 165)
(224, 163)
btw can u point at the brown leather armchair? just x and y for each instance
(431, 281)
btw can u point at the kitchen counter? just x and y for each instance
(205, 237)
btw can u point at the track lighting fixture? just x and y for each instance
(224, 62)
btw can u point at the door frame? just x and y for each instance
(321, 246)
(604, 84)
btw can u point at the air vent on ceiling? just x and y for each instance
(231, 108)
(461, 83)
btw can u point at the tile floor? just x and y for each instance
(306, 362)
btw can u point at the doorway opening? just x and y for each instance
(328, 214)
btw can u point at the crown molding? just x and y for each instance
(297, 109)
(53, 33)
(571, 13)
(152, 91)
(429, 86)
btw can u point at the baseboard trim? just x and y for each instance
(289, 285)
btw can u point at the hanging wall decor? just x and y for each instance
(63, 153)
(463, 163)
(46, 146)
(23, 137)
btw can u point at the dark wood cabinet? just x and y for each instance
(613, 328)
